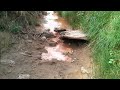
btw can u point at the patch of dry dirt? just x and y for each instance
(27, 58)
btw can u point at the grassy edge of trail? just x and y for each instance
(103, 29)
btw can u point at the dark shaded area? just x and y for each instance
(59, 30)
(75, 42)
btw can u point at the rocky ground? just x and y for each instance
(24, 61)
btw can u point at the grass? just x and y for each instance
(103, 28)
(13, 22)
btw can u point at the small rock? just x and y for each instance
(24, 76)
(72, 51)
(75, 58)
(30, 41)
(43, 38)
(28, 52)
(39, 47)
(11, 62)
(48, 34)
(52, 44)
(25, 54)
(52, 63)
(22, 53)
(39, 53)
(72, 61)
(38, 57)
(83, 70)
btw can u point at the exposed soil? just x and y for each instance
(27, 57)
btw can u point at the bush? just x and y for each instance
(14, 22)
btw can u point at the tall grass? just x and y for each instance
(15, 21)
(103, 28)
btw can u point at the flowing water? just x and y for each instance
(58, 52)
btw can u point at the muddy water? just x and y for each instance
(58, 52)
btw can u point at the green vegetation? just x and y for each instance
(13, 22)
(103, 29)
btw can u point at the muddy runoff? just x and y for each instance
(57, 49)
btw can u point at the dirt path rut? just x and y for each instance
(25, 61)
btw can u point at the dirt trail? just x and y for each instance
(25, 59)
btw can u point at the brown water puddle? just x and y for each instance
(59, 51)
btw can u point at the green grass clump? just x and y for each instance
(15, 21)
(103, 28)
